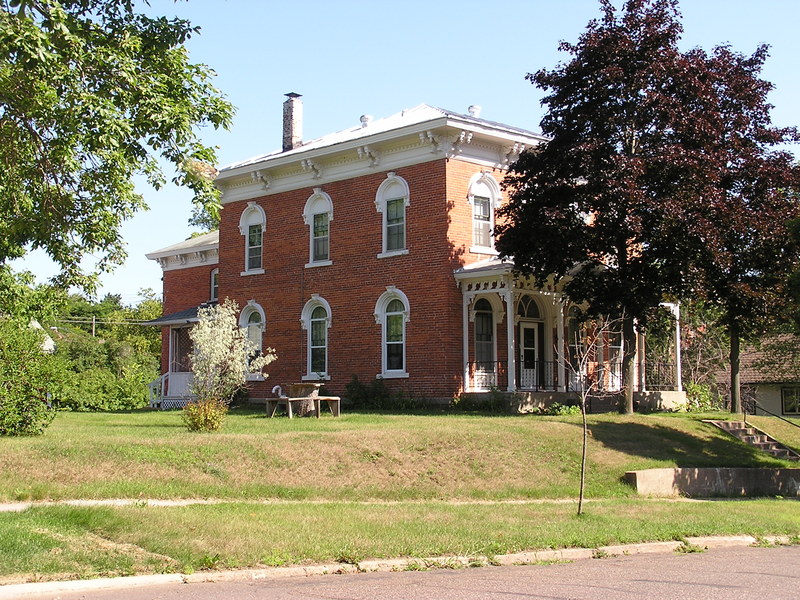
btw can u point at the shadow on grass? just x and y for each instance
(681, 449)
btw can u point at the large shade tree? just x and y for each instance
(746, 198)
(93, 92)
(658, 179)
(592, 205)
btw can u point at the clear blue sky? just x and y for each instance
(353, 57)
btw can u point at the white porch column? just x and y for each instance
(465, 338)
(562, 380)
(508, 295)
(676, 310)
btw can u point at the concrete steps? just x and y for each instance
(755, 438)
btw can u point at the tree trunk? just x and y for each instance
(628, 362)
(583, 453)
(736, 398)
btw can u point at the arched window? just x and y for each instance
(527, 308)
(484, 333)
(214, 285)
(318, 214)
(391, 201)
(392, 313)
(251, 225)
(484, 196)
(316, 320)
(252, 319)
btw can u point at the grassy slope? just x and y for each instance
(355, 457)
(426, 465)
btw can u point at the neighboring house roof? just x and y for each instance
(776, 359)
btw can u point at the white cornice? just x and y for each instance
(488, 145)
(187, 260)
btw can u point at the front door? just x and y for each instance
(528, 355)
(180, 377)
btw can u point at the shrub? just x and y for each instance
(28, 376)
(700, 398)
(207, 414)
(376, 395)
(222, 358)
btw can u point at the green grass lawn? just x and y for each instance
(361, 486)
(355, 457)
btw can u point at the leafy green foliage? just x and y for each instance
(701, 398)
(92, 94)
(20, 297)
(28, 375)
(205, 414)
(111, 369)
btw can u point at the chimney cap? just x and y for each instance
(293, 95)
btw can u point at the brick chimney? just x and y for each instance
(292, 122)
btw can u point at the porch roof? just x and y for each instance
(181, 317)
(482, 268)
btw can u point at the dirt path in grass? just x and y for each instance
(21, 506)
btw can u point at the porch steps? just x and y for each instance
(755, 438)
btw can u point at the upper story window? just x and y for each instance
(214, 285)
(251, 226)
(391, 201)
(318, 214)
(392, 313)
(484, 196)
(316, 320)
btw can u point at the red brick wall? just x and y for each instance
(438, 237)
(183, 288)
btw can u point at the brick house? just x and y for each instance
(369, 253)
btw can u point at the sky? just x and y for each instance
(377, 57)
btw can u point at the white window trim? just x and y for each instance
(252, 215)
(390, 294)
(254, 307)
(318, 200)
(305, 322)
(213, 297)
(386, 192)
(491, 189)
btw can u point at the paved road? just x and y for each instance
(719, 574)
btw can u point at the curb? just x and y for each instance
(25, 590)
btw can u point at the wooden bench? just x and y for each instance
(334, 404)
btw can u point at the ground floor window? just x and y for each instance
(790, 400)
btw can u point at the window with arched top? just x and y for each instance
(252, 223)
(484, 196)
(253, 320)
(318, 214)
(391, 201)
(316, 320)
(527, 308)
(392, 312)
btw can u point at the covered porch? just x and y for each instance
(519, 338)
(173, 388)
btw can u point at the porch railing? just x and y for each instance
(659, 376)
(603, 376)
(156, 389)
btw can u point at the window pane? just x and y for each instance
(318, 331)
(394, 328)
(395, 224)
(394, 357)
(254, 236)
(321, 248)
(395, 306)
(318, 360)
(321, 237)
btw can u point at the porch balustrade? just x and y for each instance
(606, 377)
